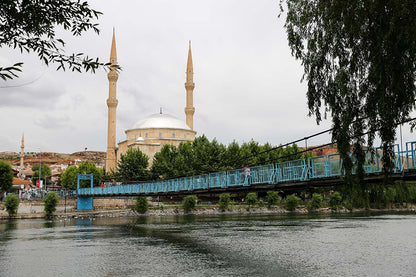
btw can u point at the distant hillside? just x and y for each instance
(50, 158)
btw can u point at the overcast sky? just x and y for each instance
(247, 84)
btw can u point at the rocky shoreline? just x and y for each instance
(198, 211)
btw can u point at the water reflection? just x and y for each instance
(223, 245)
(7, 227)
(49, 224)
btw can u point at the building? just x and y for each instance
(148, 134)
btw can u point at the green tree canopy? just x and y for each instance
(203, 156)
(69, 177)
(44, 170)
(132, 166)
(6, 176)
(359, 60)
(30, 26)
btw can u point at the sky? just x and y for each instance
(247, 84)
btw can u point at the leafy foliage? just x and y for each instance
(30, 26)
(359, 63)
(203, 156)
(43, 169)
(251, 198)
(132, 166)
(6, 176)
(188, 203)
(292, 201)
(315, 202)
(141, 205)
(69, 177)
(272, 198)
(51, 200)
(335, 200)
(224, 201)
(12, 204)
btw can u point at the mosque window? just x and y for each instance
(173, 134)
(135, 136)
(160, 135)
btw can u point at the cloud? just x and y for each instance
(52, 121)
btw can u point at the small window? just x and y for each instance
(135, 136)
(173, 135)
(160, 135)
(146, 135)
(184, 136)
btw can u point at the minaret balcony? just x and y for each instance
(112, 103)
(189, 85)
(112, 76)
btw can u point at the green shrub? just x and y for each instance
(348, 205)
(12, 204)
(224, 201)
(51, 200)
(251, 198)
(315, 202)
(141, 205)
(335, 200)
(292, 202)
(189, 203)
(272, 198)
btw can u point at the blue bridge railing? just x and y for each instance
(291, 171)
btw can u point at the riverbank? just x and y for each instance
(70, 212)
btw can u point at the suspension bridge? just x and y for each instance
(311, 172)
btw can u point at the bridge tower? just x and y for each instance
(110, 160)
(189, 86)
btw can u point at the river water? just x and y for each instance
(250, 245)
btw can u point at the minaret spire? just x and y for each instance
(22, 151)
(110, 161)
(189, 86)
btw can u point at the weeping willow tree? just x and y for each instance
(359, 60)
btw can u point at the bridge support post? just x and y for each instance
(84, 202)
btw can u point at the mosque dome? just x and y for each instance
(160, 121)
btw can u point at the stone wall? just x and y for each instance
(100, 203)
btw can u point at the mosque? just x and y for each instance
(148, 134)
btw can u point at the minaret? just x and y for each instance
(110, 161)
(22, 151)
(189, 86)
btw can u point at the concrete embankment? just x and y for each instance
(36, 211)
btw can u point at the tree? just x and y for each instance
(225, 201)
(45, 171)
(292, 202)
(12, 204)
(51, 200)
(272, 198)
(315, 202)
(251, 198)
(189, 203)
(359, 63)
(30, 26)
(6, 176)
(132, 166)
(69, 177)
(141, 205)
(335, 200)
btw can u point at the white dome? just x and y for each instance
(159, 120)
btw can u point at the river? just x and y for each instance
(249, 245)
